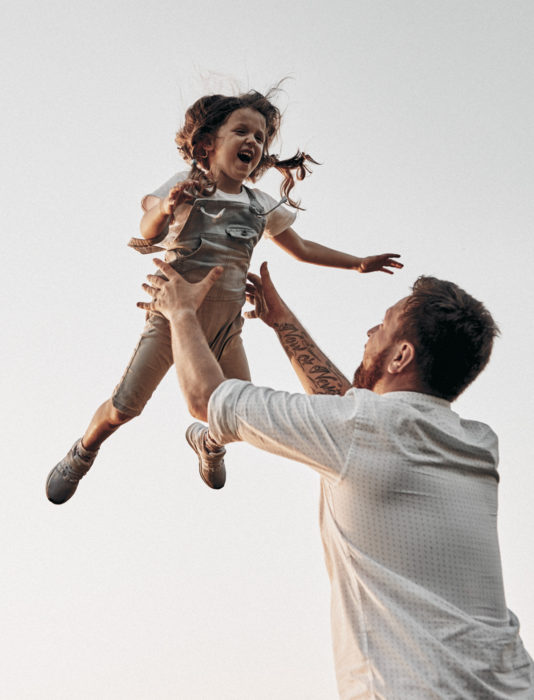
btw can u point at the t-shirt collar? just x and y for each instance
(416, 397)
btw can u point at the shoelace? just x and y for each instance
(74, 472)
(211, 459)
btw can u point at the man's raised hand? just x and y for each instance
(172, 293)
(262, 294)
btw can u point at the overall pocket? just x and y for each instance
(193, 265)
(175, 255)
(243, 233)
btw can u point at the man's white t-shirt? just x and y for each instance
(408, 518)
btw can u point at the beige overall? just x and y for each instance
(216, 233)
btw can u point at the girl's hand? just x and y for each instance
(379, 263)
(182, 192)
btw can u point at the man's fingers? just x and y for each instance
(264, 272)
(214, 274)
(255, 279)
(156, 280)
(167, 269)
(210, 279)
(250, 314)
(266, 280)
(149, 290)
(176, 292)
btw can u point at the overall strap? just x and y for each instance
(149, 245)
(256, 206)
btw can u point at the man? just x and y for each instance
(408, 489)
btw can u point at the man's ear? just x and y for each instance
(403, 356)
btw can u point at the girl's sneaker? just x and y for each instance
(63, 480)
(210, 462)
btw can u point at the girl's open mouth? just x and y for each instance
(245, 157)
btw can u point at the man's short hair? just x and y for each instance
(452, 334)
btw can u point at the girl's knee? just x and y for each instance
(117, 417)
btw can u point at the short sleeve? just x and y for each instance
(316, 430)
(163, 190)
(279, 219)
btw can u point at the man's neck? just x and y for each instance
(399, 382)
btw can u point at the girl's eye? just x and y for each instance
(259, 138)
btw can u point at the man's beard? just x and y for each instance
(367, 377)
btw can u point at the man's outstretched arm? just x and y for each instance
(199, 373)
(316, 373)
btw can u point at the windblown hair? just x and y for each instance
(452, 334)
(208, 113)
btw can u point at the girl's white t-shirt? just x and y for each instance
(277, 221)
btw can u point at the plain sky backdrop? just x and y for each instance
(147, 585)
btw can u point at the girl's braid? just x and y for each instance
(299, 163)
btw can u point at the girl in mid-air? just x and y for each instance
(205, 217)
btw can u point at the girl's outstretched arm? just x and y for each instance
(312, 252)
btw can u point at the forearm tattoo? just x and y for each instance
(321, 375)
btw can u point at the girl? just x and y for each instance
(202, 218)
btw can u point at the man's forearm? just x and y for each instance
(316, 373)
(199, 373)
